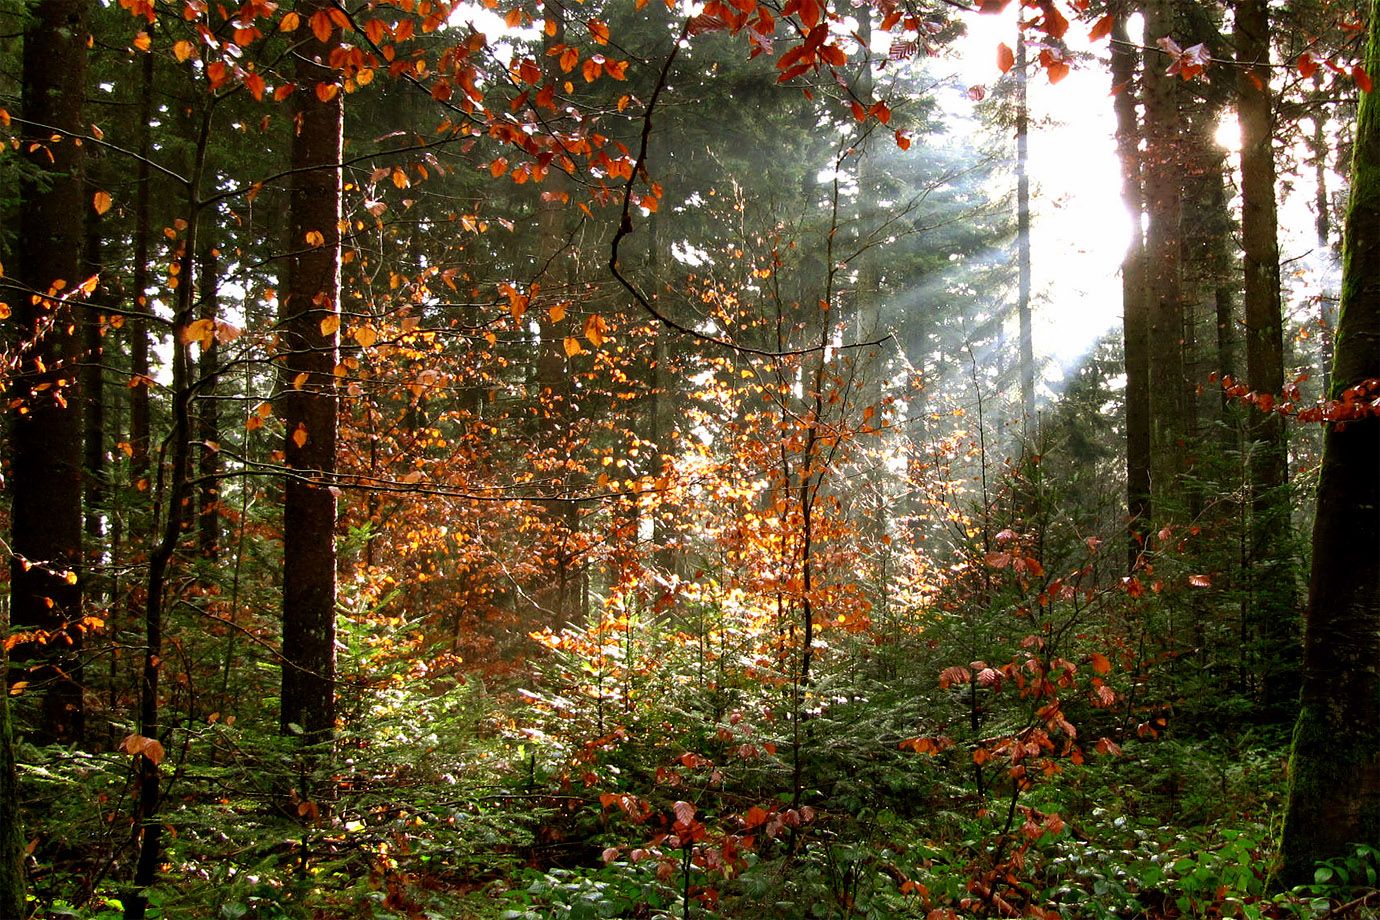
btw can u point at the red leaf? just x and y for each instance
(1101, 29)
(1363, 81)
(1307, 65)
(685, 812)
(954, 675)
(1100, 663)
(1200, 581)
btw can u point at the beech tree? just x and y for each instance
(1334, 786)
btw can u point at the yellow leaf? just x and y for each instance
(331, 324)
(315, 238)
(400, 179)
(101, 201)
(183, 50)
(572, 346)
(299, 437)
(290, 23)
(366, 336)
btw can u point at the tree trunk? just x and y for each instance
(11, 830)
(1274, 601)
(1334, 789)
(1134, 305)
(45, 433)
(1027, 336)
(311, 317)
(208, 412)
(1163, 264)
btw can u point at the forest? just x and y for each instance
(676, 459)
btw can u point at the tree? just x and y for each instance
(45, 437)
(1135, 306)
(11, 825)
(1334, 790)
(1273, 613)
(311, 323)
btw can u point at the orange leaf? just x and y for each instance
(1100, 663)
(366, 336)
(299, 437)
(327, 91)
(290, 23)
(1363, 81)
(572, 346)
(321, 26)
(101, 201)
(142, 41)
(1006, 58)
(330, 324)
(1101, 29)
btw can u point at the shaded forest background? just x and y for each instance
(593, 460)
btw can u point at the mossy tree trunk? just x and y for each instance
(1334, 792)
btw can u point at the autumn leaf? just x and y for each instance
(183, 50)
(327, 91)
(321, 26)
(1100, 663)
(365, 336)
(330, 324)
(315, 238)
(572, 346)
(1200, 581)
(299, 436)
(1307, 65)
(290, 23)
(142, 41)
(557, 312)
(596, 330)
(101, 201)
(1101, 29)
(1361, 78)
(201, 331)
(1006, 58)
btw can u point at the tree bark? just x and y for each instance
(45, 432)
(1334, 789)
(1134, 305)
(1163, 279)
(11, 828)
(1027, 336)
(208, 411)
(311, 317)
(1274, 599)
